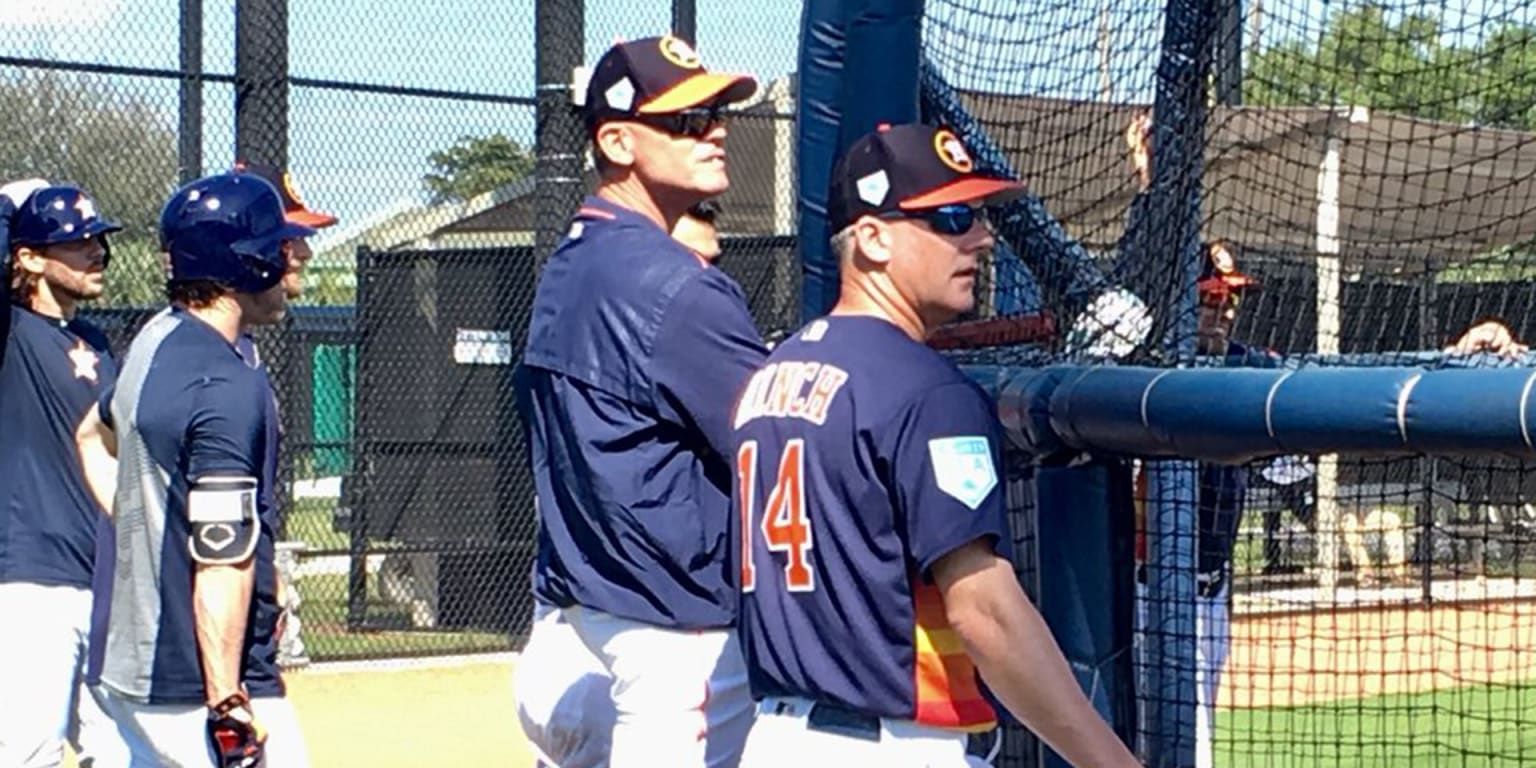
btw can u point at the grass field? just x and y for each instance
(1467, 727)
(410, 715)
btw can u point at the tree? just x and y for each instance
(476, 165)
(1369, 56)
(114, 144)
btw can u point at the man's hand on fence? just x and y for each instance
(1489, 336)
(1112, 326)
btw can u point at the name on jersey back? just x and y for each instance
(791, 389)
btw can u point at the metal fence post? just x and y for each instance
(685, 20)
(559, 30)
(261, 82)
(189, 146)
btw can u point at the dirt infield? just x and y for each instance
(1294, 659)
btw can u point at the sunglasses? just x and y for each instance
(692, 123)
(956, 219)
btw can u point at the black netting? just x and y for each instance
(1371, 165)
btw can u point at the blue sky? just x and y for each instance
(360, 155)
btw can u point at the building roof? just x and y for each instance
(1413, 193)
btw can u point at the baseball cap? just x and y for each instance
(294, 209)
(909, 167)
(657, 76)
(1219, 274)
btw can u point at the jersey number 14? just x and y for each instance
(785, 526)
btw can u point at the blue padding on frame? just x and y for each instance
(858, 68)
(818, 126)
(1237, 415)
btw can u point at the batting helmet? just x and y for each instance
(228, 228)
(57, 214)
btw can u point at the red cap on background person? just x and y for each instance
(294, 208)
(1220, 275)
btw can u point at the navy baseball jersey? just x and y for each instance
(186, 405)
(53, 374)
(637, 349)
(863, 458)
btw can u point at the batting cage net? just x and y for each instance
(1359, 179)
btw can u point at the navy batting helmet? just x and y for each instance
(228, 228)
(58, 214)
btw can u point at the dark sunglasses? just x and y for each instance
(956, 219)
(692, 123)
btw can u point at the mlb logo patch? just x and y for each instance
(962, 467)
(874, 187)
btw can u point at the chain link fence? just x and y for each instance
(444, 138)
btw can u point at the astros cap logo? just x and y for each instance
(680, 53)
(85, 207)
(951, 151)
(292, 190)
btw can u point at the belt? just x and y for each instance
(836, 718)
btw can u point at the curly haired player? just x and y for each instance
(53, 365)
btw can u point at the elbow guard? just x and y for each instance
(222, 513)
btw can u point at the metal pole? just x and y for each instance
(685, 20)
(1106, 53)
(1184, 71)
(559, 136)
(1229, 53)
(189, 145)
(261, 82)
(1329, 279)
(1328, 287)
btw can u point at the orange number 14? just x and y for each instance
(785, 526)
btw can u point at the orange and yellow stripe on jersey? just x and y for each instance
(948, 691)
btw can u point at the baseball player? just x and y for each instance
(560, 686)
(1221, 492)
(296, 252)
(188, 650)
(876, 577)
(636, 350)
(296, 255)
(1220, 495)
(52, 368)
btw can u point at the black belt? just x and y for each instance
(838, 719)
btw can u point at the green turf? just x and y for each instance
(1469, 727)
(310, 521)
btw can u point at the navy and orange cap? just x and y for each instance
(657, 76)
(295, 211)
(1220, 275)
(909, 167)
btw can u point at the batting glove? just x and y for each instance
(238, 740)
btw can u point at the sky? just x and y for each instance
(362, 156)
